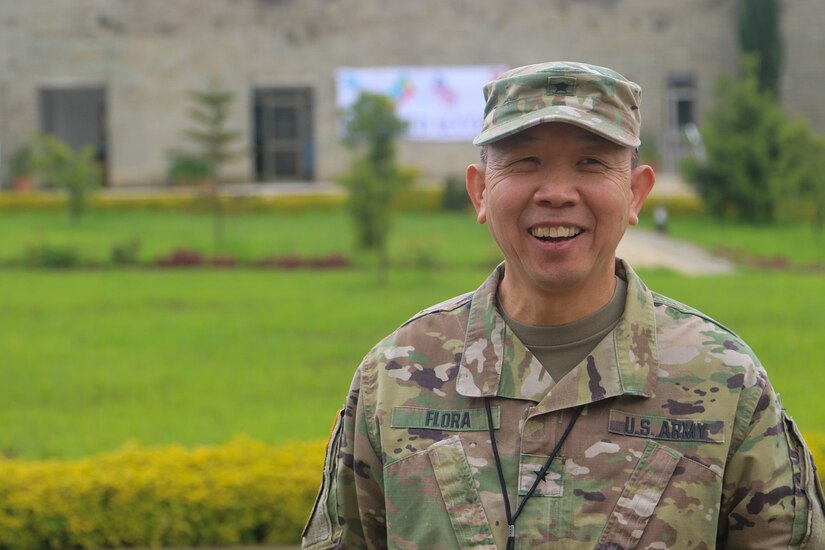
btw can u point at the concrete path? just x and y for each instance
(643, 248)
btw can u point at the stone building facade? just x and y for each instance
(117, 73)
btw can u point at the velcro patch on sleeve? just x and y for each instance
(454, 420)
(668, 429)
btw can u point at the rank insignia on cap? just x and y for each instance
(561, 85)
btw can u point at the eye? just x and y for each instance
(592, 164)
(527, 161)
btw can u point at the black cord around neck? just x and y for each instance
(511, 519)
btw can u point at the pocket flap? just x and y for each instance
(461, 498)
(640, 496)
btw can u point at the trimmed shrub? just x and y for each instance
(179, 201)
(419, 199)
(243, 492)
(181, 257)
(188, 169)
(413, 199)
(126, 253)
(675, 205)
(51, 256)
(455, 196)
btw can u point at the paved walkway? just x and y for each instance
(643, 248)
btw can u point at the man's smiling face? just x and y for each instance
(557, 200)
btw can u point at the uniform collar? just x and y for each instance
(496, 363)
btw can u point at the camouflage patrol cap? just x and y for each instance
(594, 98)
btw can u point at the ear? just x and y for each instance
(642, 179)
(476, 188)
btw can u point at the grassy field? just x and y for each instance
(418, 238)
(424, 238)
(797, 244)
(93, 358)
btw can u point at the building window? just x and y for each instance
(681, 91)
(284, 145)
(681, 123)
(77, 116)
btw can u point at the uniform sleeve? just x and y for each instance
(349, 510)
(771, 495)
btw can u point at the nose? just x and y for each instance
(556, 190)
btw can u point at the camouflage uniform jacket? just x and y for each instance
(682, 442)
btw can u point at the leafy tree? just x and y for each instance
(75, 171)
(742, 136)
(803, 167)
(371, 129)
(213, 143)
(760, 34)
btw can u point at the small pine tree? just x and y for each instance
(760, 34)
(371, 129)
(209, 113)
(213, 142)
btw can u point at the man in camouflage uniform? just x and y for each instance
(563, 404)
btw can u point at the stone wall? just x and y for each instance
(149, 53)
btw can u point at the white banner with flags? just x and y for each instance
(439, 103)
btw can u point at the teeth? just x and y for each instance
(555, 232)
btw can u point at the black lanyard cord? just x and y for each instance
(511, 519)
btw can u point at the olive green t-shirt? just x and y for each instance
(560, 348)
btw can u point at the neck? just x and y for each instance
(553, 307)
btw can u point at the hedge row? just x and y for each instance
(675, 205)
(415, 199)
(244, 492)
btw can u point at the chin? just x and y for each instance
(562, 280)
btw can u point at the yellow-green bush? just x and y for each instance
(816, 443)
(243, 492)
(680, 205)
(414, 199)
(239, 493)
(179, 201)
(420, 199)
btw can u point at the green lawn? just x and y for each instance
(797, 243)
(93, 358)
(423, 238)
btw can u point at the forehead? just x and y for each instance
(553, 130)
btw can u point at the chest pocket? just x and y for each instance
(640, 496)
(433, 502)
(461, 498)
